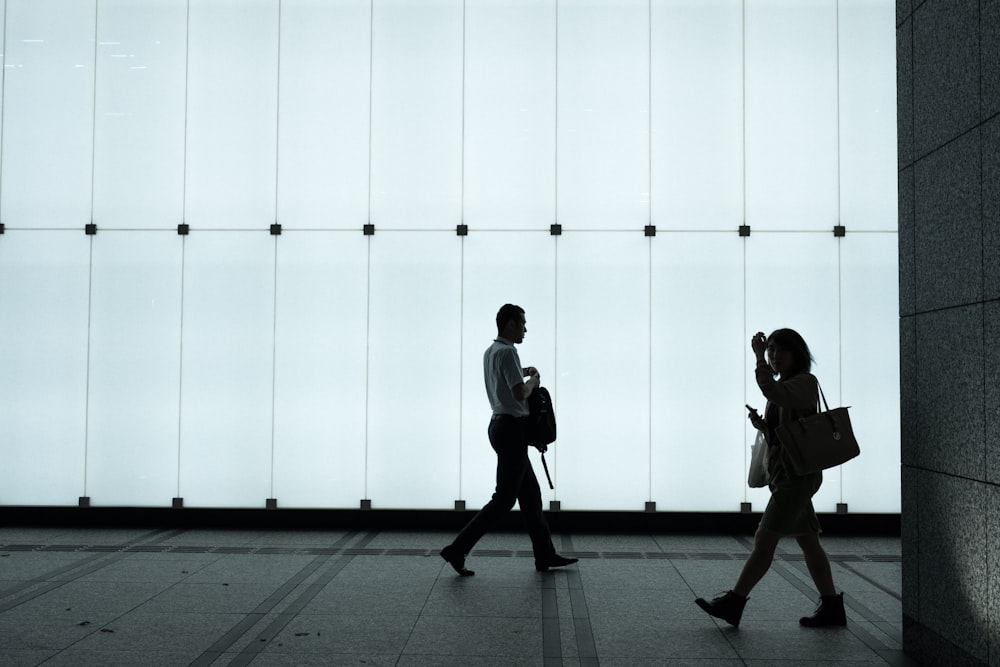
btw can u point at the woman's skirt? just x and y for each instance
(790, 511)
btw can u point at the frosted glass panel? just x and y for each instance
(135, 347)
(791, 114)
(48, 113)
(321, 367)
(232, 113)
(227, 386)
(871, 369)
(3, 34)
(603, 134)
(323, 133)
(139, 123)
(697, 114)
(43, 389)
(502, 267)
(319, 401)
(414, 354)
(792, 281)
(698, 364)
(868, 114)
(417, 114)
(602, 339)
(510, 74)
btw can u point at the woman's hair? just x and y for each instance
(790, 340)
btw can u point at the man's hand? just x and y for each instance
(523, 390)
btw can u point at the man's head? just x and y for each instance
(510, 323)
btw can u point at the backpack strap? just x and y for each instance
(544, 465)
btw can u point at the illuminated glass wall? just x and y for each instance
(252, 249)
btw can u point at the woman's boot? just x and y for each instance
(728, 607)
(829, 611)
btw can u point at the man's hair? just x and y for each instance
(792, 341)
(508, 312)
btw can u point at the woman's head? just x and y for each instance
(788, 353)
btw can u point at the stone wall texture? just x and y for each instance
(948, 109)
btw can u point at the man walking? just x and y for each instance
(508, 392)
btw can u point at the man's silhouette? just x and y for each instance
(508, 391)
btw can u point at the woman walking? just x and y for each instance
(791, 391)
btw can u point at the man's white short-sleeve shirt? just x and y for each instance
(502, 371)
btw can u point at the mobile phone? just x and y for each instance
(753, 410)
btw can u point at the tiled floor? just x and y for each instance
(178, 597)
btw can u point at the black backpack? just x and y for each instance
(541, 424)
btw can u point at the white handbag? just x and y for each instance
(758, 477)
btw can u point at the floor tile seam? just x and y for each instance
(894, 631)
(300, 578)
(52, 576)
(707, 557)
(793, 555)
(873, 617)
(897, 658)
(148, 535)
(892, 638)
(889, 635)
(86, 566)
(245, 625)
(51, 585)
(850, 602)
(536, 614)
(230, 637)
(99, 628)
(170, 585)
(871, 581)
(260, 640)
(854, 628)
(552, 652)
(881, 638)
(423, 607)
(28, 597)
(586, 647)
(259, 613)
(107, 623)
(868, 639)
(798, 576)
(181, 549)
(689, 589)
(728, 636)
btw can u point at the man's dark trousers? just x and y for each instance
(516, 482)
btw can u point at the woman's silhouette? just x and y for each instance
(791, 393)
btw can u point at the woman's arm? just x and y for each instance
(798, 392)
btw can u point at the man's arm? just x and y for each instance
(523, 390)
